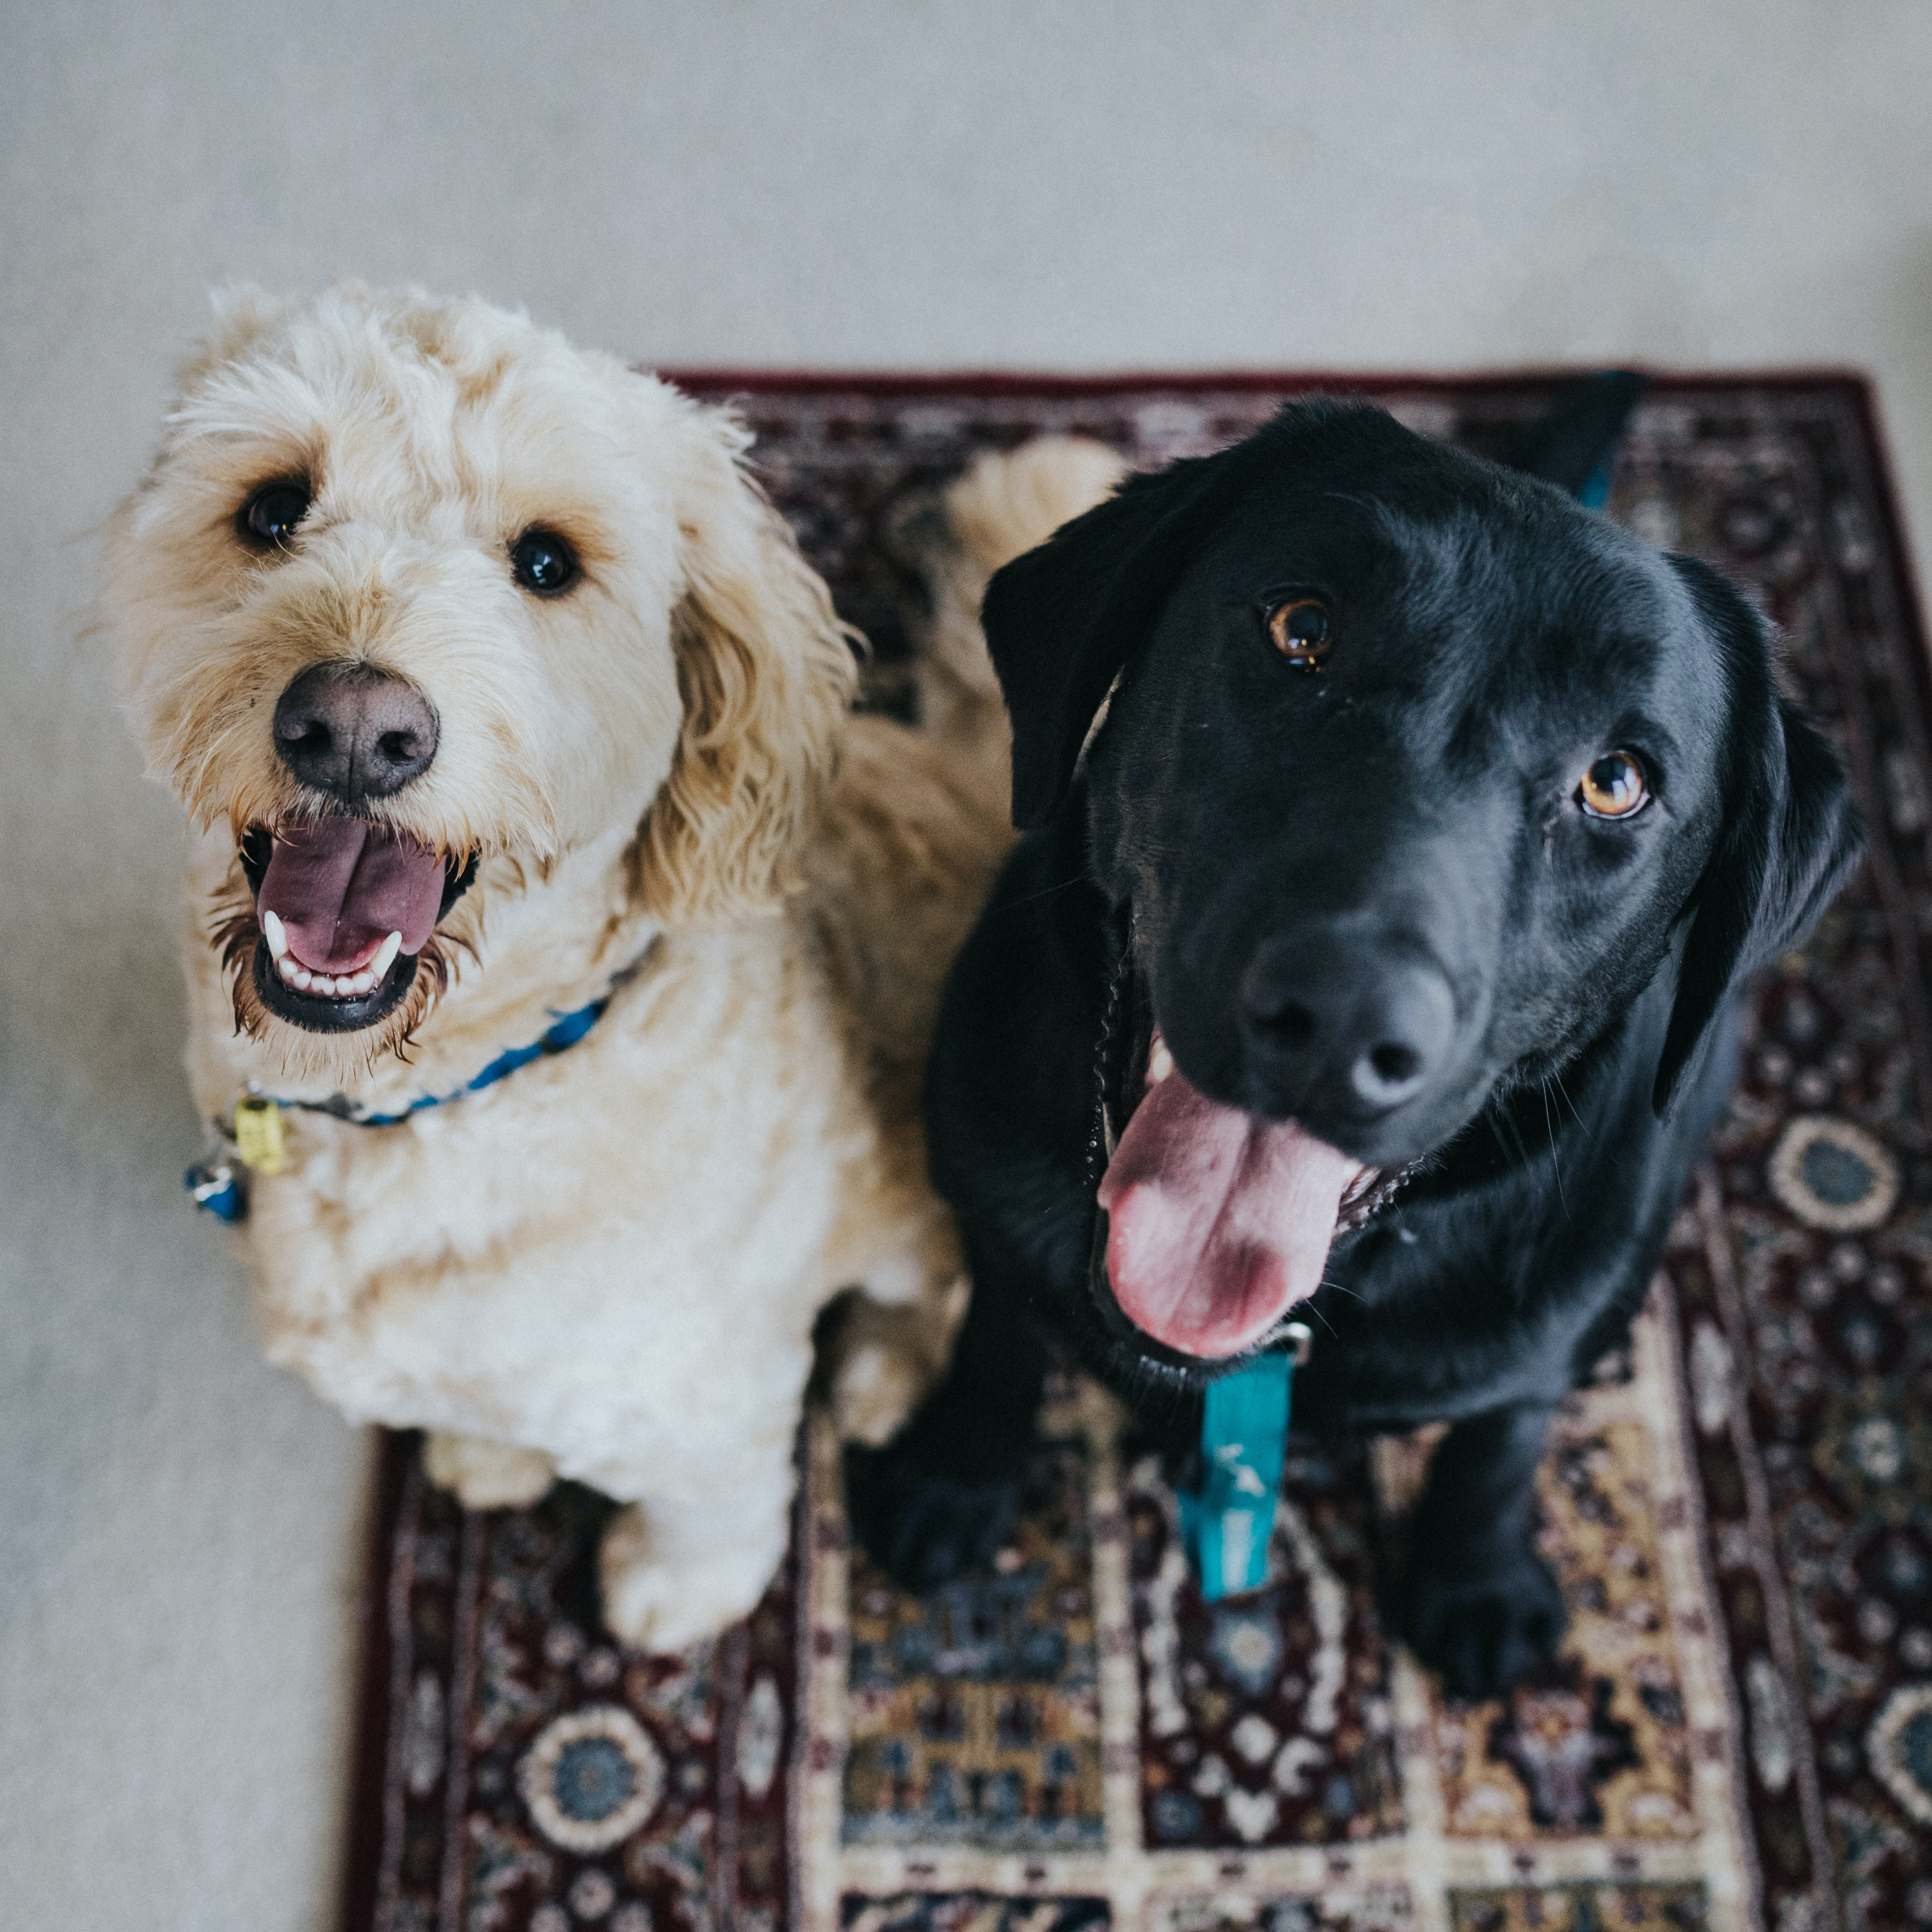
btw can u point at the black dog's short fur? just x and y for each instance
(1410, 809)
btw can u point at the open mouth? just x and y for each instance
(1214, 1222)
(346, 908)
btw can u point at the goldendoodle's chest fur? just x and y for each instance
(425, 1272)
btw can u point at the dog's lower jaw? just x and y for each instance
(317, 1012)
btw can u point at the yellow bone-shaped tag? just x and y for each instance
(258, 1135)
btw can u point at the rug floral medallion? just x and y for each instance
(1738, 1732)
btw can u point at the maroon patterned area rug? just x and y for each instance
(1739, 1731)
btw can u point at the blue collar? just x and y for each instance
(567, 1030)
(218, 1184)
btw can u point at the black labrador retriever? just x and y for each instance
(1380, 948)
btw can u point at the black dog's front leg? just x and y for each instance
(1476, 1602)
(943, 1495)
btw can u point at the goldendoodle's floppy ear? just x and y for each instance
(766, 674)
(1791, 832)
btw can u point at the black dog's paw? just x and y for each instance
(1483, 1634)
(922, 1526)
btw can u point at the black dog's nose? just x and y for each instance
(353, 731)
(1342, 1024)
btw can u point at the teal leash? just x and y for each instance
(1229, 1521)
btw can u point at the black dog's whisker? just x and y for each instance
(1047, 893)
(1506, 1122)
(1555, 1160)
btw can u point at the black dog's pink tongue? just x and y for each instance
(340, 887)
(1217, 1221)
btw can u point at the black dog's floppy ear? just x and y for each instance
(1063, 620)
(1790, 835)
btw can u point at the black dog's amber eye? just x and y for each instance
(1613, 787)
(543, 562)
(270, 515)
(1298, 627)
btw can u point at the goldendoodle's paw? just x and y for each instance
(923, 1527)
(1483, 1634)
(655, 1600)
(485, 1475)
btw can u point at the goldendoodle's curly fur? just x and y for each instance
(609, 1264)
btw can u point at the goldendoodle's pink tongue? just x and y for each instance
(1217, 1221)
(340, 887)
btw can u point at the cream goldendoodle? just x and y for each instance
(562, 950)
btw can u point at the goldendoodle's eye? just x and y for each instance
(543, 562)
(1613, 787)
(270, 515)
(1298, 627)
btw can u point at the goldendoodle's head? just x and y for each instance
(415, 586)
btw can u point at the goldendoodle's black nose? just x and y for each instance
(353, 731)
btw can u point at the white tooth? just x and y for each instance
(271, 930)
(363, 982)
(385, 955)
(339, 985)
(1160, 1063)
(303, 979)
(285, 967)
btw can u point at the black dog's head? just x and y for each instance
(1413, 775)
